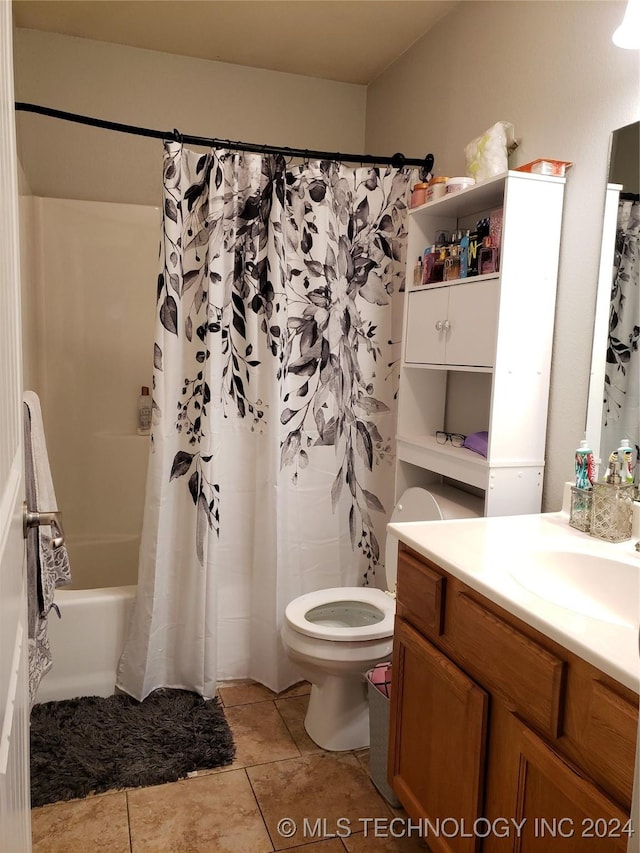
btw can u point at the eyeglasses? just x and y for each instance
(456, 438)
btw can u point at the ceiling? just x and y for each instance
(351, 41)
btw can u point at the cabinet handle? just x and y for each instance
(446, 325)
(438, 325)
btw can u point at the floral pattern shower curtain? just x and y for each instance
(621, 411)
(270, 472)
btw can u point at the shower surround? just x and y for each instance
(89, 272)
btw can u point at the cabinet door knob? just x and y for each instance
(438, 325)
(446, 325)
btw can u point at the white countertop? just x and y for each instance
(484, 553)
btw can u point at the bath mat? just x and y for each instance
(94, 744)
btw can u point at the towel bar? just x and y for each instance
(38, 519)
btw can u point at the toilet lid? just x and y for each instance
(416, 504)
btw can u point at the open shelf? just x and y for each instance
(459, 463)
(465, 365)
(477, 197)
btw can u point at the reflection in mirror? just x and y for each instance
(614, 393)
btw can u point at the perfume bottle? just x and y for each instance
(452, 264)
(487, 258)
(433, 268)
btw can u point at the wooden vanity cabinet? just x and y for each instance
(492, 720)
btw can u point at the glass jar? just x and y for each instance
(418, 194)
(437, 188)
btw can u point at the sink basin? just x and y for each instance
(594, 586)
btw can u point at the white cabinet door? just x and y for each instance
(454, 325)
(426, 334)
(473, 323)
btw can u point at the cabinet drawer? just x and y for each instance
(420, 594)
(529, 677)
(610, 739)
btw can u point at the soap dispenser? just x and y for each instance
(612, 507)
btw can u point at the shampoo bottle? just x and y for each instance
(584, 466)
(144, 412)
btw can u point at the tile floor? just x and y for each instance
(282, 792)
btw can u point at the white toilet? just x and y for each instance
(336, 635)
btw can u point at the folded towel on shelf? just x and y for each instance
(47, 566)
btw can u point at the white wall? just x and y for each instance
(90, 268)
(161, 91)
(28, 285)
(94, 292)
(551, 69)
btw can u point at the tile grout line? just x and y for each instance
(126, 795)
(286, 725)
(255, 797)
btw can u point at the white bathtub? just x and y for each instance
(86, 643)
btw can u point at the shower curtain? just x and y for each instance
(270, 472)
(621, 411)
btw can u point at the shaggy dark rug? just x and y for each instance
(92, 744)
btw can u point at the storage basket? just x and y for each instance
(379, 707)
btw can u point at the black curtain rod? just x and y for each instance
(398, 161)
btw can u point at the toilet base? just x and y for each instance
(338, 713)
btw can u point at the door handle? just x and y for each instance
(47, 519)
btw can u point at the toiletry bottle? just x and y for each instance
(144, 412)
(472, 253)
(434, 265)
(452, 264)
(464, 254)
(417, 272)
(487, 258)
(625, 457)
(584, 466)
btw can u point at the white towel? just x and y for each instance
(47, 567)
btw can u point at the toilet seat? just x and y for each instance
(296, 614)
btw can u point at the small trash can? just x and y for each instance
(379, 687)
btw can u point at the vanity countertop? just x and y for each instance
(531, 565)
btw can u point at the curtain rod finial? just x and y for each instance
(398, 160)
(427, 167)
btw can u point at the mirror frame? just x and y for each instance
(595, 400)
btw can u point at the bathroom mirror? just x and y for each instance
(613, 410)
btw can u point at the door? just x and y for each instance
(473, 323)
(426, 333)
(15, 827)
(437, 743)
(558, 808)
(454, 325)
